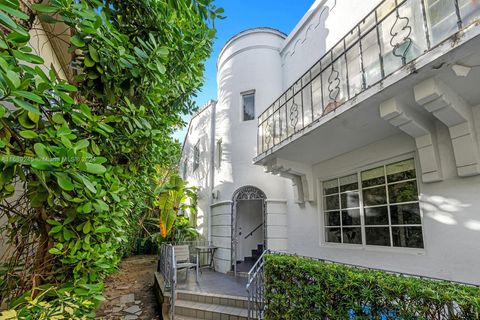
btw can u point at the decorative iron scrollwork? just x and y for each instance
(268, 133)
(399, 42)
(294, 116)
(334, 84)
(249, 193)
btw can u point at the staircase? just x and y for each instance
(247, 264)
(190, 305)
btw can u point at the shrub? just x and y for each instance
(78, 155)
(300, 288)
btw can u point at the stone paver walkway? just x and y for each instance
(129, 292)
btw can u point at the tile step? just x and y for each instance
(213, 298)
(209, 311)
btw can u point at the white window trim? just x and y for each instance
(364, 246)
(245, 93)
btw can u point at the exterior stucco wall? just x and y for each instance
(277, 225)
(326, 22)
(250, 61)
(221, 235)
(42, 46)
(450, 208)
(262, 60)
(200, 133)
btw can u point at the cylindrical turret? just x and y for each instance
(249, 78)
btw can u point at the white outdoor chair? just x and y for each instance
(183, 260)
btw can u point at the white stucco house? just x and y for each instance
(355, 138)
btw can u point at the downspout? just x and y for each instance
(212, 166)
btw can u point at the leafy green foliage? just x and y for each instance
(174, 215)
(183, 231)
(300, 288)
(64, 302)
(82, 153)
(173, 197)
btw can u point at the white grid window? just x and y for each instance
(376, 207)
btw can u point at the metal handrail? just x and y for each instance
(251, 233)
(168, 268)
(255, 288)
(255, 268)
(174, 285)
(344, 71)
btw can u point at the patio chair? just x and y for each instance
(183, 260)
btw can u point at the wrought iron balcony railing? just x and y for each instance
(395, 33)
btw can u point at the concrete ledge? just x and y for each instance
(161, 294)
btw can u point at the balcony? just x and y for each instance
(396, 40)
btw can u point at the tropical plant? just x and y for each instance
(183, 230)
(78, 155)
(174, 198)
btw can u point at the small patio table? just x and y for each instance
(210, 251)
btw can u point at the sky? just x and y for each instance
(240, 15)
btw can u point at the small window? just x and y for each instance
(185, 168)
(248, 101)
(196, 156)
(218, 154)
(377, 207)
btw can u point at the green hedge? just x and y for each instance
(300, 288)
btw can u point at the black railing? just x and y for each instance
(251, 232)
(395, 33)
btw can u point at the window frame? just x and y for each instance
(243, 94)
(218, 153)
(357, 171)
(185, 168)
(196, 156)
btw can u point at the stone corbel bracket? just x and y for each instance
(300, 174)
(422, 130)
(451, 109)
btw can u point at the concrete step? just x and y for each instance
(177, 317)
(201, 305)
(256, 254)
(213, 298)
(243, 274)
(209, 311)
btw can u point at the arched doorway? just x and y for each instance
(248, 227)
